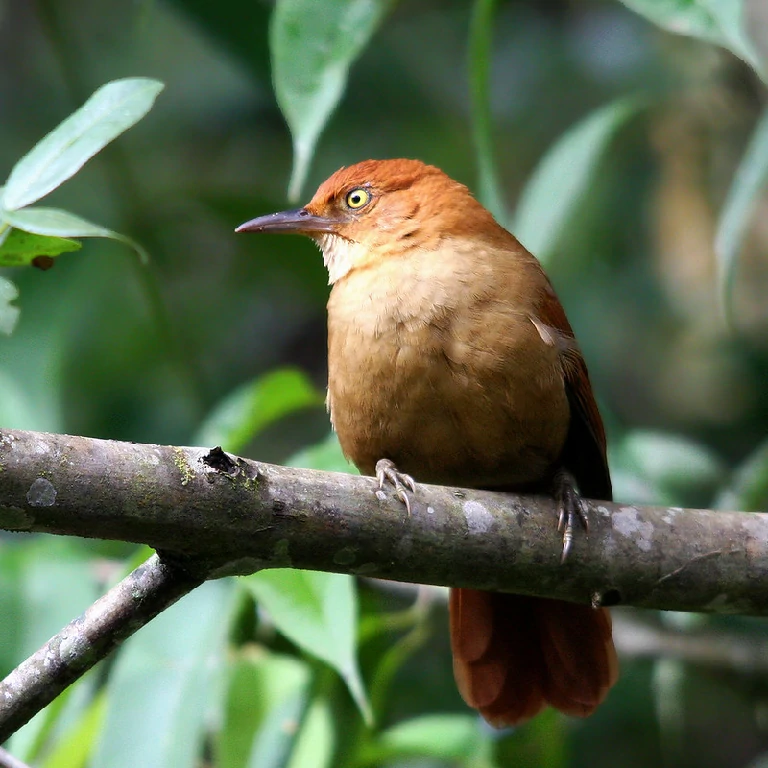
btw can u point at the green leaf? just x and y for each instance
(748, 489)
(259, 683)
(440, 737)
(57, 223)
(674, 464)
(315, 741)
(166, 680)
(737, 211)
(480, 56)
(236, 420)
(716, 21)
(53, 222)
(20, 248)
(56, 582)
(9, 314)
(318, 612)
(562, 177)
(313, 46)
(326, 455)
(110, 111)
(74, 749)
(276, 739)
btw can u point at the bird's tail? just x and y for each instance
(515, 655)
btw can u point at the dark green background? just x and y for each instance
(110, 348)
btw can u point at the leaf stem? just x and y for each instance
(479, 65)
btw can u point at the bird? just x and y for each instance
(451, 361)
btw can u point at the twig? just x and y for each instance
(126, 608)
(7, 760)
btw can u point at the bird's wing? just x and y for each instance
(584, 453)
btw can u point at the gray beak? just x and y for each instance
(300, 221)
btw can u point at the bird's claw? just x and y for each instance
(571, 508)
(387, 472)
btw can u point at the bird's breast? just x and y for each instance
(443, 372)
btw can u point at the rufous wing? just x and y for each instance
(513, 655)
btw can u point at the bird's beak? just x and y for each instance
(300, 221)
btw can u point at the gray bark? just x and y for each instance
(210, 515)
(221, 515)
(127, 607)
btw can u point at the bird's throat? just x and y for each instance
(339, 255)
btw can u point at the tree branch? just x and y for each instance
(7, 760)
(221, 515)
(127, 607)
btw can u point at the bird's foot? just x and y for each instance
(570, 507)
(387, 472)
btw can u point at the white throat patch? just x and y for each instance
(338, 255)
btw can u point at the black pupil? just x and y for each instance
(356, 198)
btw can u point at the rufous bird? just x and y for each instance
(450, 359)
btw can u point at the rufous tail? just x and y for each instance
(514, 655)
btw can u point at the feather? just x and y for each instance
(537, 653)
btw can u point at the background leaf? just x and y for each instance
(315, 742)
(318, 612)
(325, 455)
(235, 421)
(673, 466)
(57, 223)
(9, 314)
(444, 737)
(480, 56)
(561, 178)
(110, 111)
(20, 248)
(166, 681)
(717, 21)
(313, 46)
(736, 214)
(748, 488)
(260, 682)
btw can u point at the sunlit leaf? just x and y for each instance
(315, 741)
(235, 421)
(318, 612)
(21, 248)
(313, 46)
(717, 21)
(275, 740)
(259, 683)
(165, 681)
(74, 749)
(440, 737)
(57, 223)
(9, 314)
(748, 183)
(562, 177)
(110, 111)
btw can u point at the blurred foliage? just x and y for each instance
(632, 138)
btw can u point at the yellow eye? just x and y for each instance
(358, 197)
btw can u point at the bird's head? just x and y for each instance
(380, 209)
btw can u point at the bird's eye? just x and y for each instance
(358, 197)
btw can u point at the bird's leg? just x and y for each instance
(387, 472)
(570, 508)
